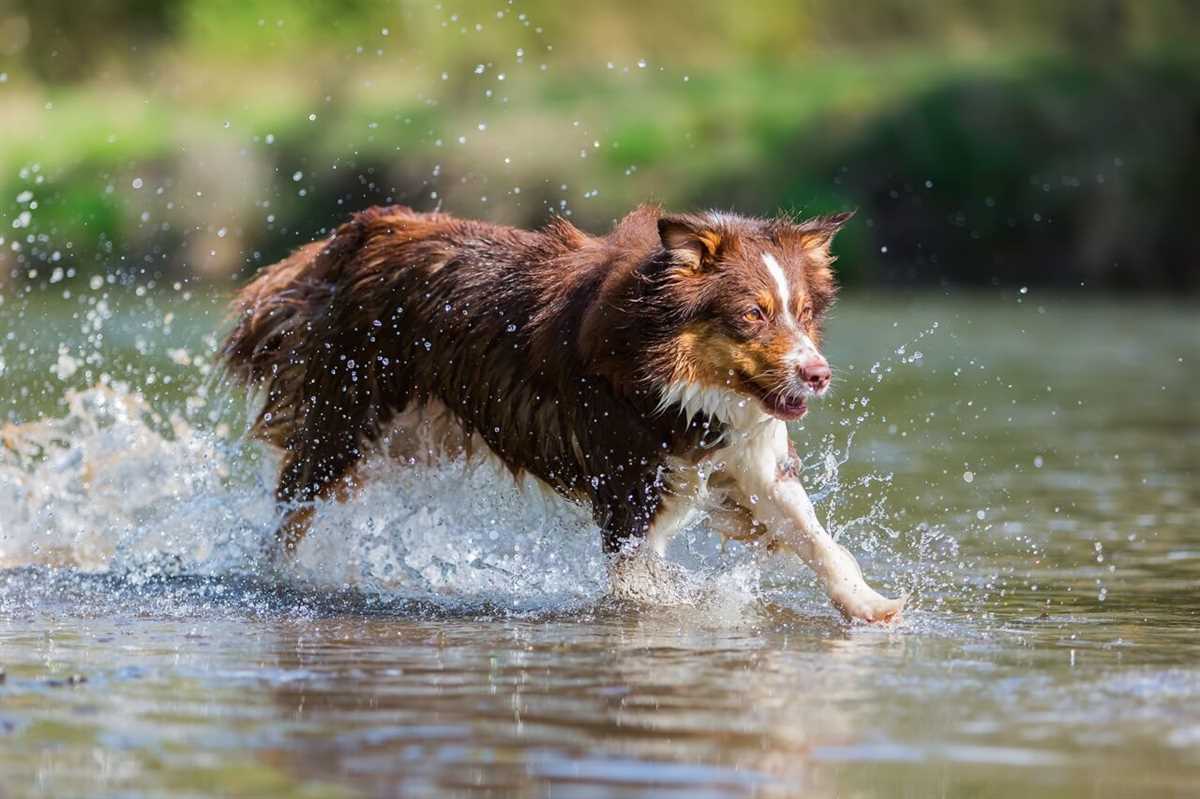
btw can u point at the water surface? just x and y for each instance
(1025, 466)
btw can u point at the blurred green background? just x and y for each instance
(984, 142)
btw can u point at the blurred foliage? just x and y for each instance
(984, 141)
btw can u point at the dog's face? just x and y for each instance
(749, 297)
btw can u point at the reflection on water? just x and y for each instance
(1031, 473)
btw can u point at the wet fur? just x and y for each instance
(553, 348)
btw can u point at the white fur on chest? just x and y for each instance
(738, 412)
(754, 446)
(755, 442)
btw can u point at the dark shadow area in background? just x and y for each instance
(1065, 175)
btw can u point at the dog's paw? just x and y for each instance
(850, 593)
(869, 606)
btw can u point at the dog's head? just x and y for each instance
(746, 299)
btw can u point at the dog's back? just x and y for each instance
(402, 310)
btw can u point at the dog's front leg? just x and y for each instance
(771, 488)
(789, 513)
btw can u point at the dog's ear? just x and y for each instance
(690, 240)
(814, 235)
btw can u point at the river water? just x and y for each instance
(1027, 467)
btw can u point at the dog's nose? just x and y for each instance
(816, 374)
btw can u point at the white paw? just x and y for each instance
(850, 593)
(865, 604)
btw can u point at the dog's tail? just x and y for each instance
(274, 337)
(301, 340)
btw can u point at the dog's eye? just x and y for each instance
(806, 315)
(755, 314)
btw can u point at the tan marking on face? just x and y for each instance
(766, 301)
(706, 356)
(703, 354)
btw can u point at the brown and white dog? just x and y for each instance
(648, 373)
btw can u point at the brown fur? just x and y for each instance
(550, 346)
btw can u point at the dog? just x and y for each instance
(649, 373)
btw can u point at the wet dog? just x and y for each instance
(649, 373)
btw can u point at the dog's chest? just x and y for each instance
(749, 462)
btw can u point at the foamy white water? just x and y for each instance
(113, 487)
(111, 483)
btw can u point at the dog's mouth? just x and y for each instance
(786, 406)
(789, 409)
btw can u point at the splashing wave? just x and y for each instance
(115, 490)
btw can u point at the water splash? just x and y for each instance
(460, 531)
(114, 487)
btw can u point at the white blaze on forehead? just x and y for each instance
(803, 349)
(781, 285)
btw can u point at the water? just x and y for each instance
(1026, 466)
